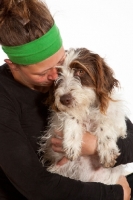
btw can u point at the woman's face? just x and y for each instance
(42, 73)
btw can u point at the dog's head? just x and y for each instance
(84, 80)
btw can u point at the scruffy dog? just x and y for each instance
(85, 99)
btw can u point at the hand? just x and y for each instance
(58, 147)
(89, 144)
(126, 189)
(56, 142)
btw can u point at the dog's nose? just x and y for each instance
(66, 99)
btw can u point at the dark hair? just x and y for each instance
(22, 21)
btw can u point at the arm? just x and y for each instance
(127, 190)
(126, 146)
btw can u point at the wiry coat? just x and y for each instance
(85, 99)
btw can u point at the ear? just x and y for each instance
(11, 65)
(105, 82)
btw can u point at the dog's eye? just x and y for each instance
(79, 72)
(59, 73)
(59, 70)
(58, 82)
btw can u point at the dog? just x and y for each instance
(85, 99)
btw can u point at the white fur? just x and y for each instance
(74, 120)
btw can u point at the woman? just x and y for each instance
(31, 39)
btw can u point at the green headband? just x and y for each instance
(37, 50)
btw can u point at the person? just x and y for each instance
(31, 39)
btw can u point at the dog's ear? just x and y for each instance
(101, 76)
(104, 80)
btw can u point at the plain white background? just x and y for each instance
(103, 26)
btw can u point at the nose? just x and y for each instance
(66, 99)
(52, 75)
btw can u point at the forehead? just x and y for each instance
(44, 65)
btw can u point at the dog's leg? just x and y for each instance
(72, 137)
(107, 148)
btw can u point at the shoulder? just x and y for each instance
(5, 74)
(11, 89)
(3, 68)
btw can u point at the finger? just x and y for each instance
(57, 149)
(56, 142)
(59, 134)
(63, 161)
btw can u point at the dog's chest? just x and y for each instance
(89, 125)
(85, 118)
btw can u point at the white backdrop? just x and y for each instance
(103, 26)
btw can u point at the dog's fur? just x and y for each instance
(86, 100)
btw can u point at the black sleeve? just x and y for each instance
(126, 146)
(21, 166)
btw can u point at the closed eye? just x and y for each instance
(58, 82)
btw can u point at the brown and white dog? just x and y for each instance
(85, 99)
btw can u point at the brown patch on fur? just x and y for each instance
(99, 76)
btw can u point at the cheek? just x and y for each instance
(31, 79)
(39, 79)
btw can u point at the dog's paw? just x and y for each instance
(109, 159)
(108, 165)
(72, 148)
(72, 154)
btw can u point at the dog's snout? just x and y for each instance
(66, 99)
